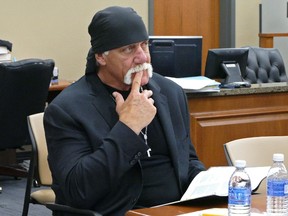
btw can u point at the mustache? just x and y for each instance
(145, 66)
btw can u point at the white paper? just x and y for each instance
(195, 83)
(214, 181)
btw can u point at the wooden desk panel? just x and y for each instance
(258, 205)
(216, 120)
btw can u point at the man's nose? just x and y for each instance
(140, 56)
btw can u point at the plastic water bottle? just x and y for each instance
(54, 79)
(277, 187)
(239, 194)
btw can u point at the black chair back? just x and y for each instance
(265, 65)
(24, 88)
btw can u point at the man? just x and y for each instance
(118, 138)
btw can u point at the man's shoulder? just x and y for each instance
(73, 91)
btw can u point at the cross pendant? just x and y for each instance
(148, 152)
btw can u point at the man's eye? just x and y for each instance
(128, 50)
(144, 45)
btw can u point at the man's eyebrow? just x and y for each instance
(129, 45)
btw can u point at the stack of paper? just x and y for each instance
(197, 84)
(5, 55)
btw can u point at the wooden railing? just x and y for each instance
(266, 40)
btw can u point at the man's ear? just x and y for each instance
(100, 58)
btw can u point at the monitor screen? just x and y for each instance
(226, 65)
(176, 56)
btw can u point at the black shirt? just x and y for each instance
(160, 183)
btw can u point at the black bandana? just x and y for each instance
(115, 27)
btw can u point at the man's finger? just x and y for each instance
(137, 81)
(118, 98)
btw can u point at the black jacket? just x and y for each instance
(94, 158)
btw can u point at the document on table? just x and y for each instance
(215, 180)
(197, 83)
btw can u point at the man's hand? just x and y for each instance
(138, 110)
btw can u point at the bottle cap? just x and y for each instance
(278, 157)
(240, 163)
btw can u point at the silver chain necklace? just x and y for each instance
(145, 136)
(145, 133)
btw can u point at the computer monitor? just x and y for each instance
(226, 65)
(176, 56)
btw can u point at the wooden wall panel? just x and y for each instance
(189, 18)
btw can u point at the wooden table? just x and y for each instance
(258, 205)
(55, 89)
(62, 84)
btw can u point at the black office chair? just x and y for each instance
(24, 88)
(265, 65)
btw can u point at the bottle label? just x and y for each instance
(239, 196)
(277, 188)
